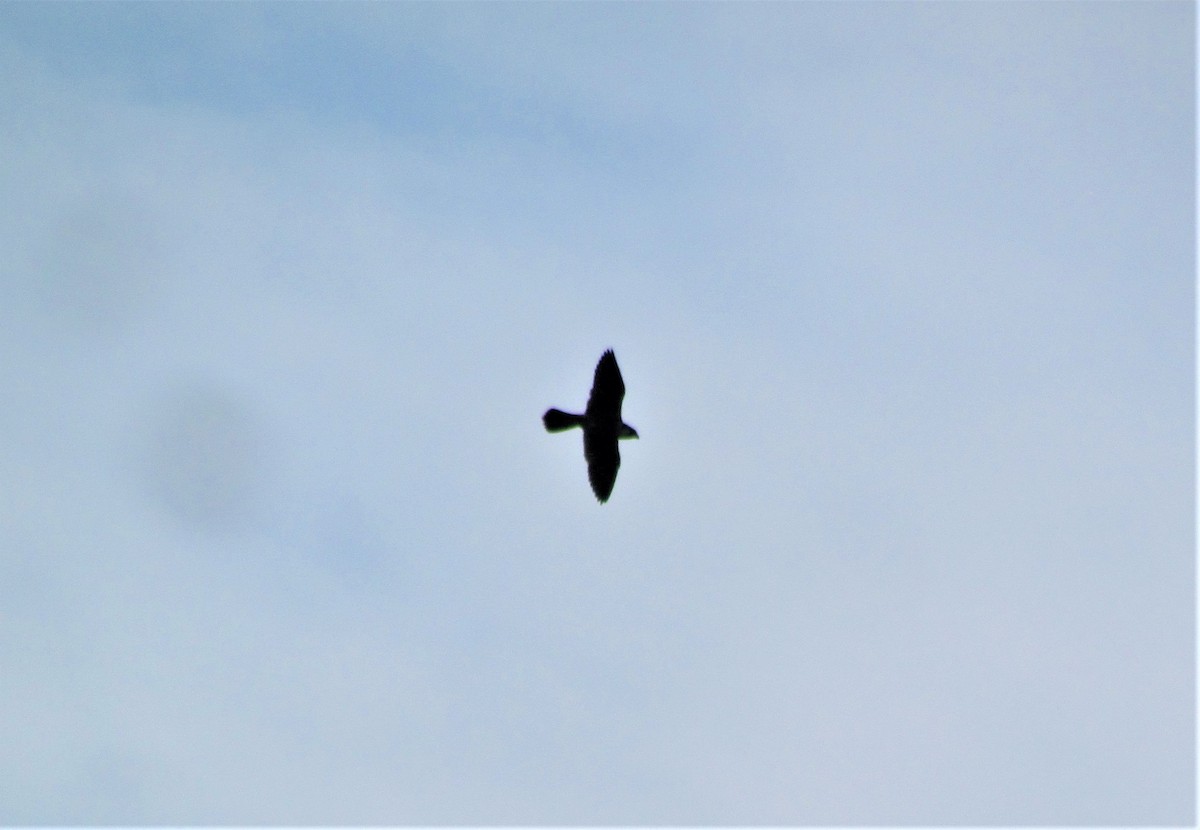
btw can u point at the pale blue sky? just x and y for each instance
(904, 299)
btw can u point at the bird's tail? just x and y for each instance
(556, 420)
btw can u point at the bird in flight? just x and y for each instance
(602, 425)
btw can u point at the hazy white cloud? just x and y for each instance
(903, 297)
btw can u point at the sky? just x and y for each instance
(904, 299)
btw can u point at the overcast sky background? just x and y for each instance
(904, 300)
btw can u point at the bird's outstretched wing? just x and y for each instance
(603, 460)
(608, 390)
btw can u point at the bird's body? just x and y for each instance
(602, 425)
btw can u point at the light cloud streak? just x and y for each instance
(904, 300)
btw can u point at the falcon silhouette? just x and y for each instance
(602, 426)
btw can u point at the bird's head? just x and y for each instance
(627, 431)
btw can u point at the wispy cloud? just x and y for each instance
(903, 296)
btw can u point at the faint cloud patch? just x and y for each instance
(207, 459)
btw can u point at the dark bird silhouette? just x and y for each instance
(602, 426)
